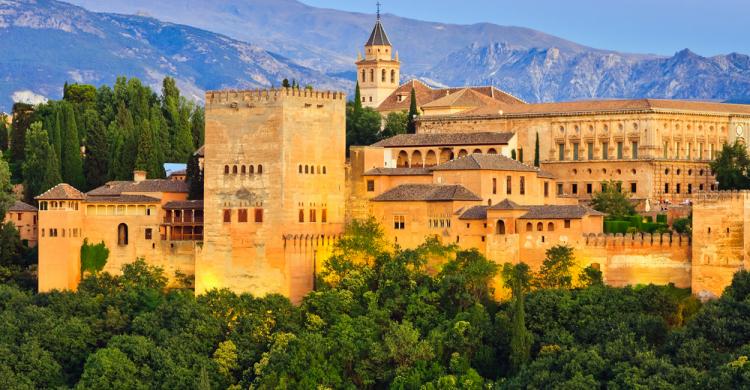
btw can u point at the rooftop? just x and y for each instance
(62, 191)
(122, 199)
(426, 94)
(115, 188)
(446, 139)
(184, 205)
(19, 206)
(485, 162)
(507, 204)
(559, 212)
(398, 172)
(474, 213)
(428, 193)
(378, 37)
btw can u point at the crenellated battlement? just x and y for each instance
(721, 196)
(637, 240)
(247, 97)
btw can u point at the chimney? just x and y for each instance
(139, 176)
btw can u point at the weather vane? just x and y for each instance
(378, 4)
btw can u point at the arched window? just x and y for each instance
(372, 75)
(324, 169)
(491, 151)
(260, 169)
(363, 75)
(300, 168)
(529, 227)
(539, 227)
(226, 169)
(550, 227)
(307, 169)
(234, 169)
(243, 170)
(477, 151)
(393, 75)
(122, 234)
(252, 169)
(318, 169)
(382, 76)
(500, 227)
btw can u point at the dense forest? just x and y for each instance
(380, 317)
(95, 135)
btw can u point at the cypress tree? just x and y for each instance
(518, 277)
(147, 155)
(71, 163)
(513, 154)
(198, 126)
(194, 178)
(536, 150)
(96, 164)
(22, 114)
(357, 100)
(160, 135)
(41, 170)
(182, 143)
(55, 131)
(412, 128)
(6, 188)
(3, 133)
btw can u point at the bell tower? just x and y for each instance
(379, 72)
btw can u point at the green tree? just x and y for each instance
(590, 276)
(612, 200)
(395, 123)
(518, 278)
(225, 358)
(147, 158)
(6, 188)
(109, 368)
(413, 113)
(198, 126)
(357, 99)
(22, 116)
(40, 168)
(71, 164)
(194, 178)
(556, 268)
(362, 128)
(732, 167)
(536, 150)
(513, 154)
(4, 136)
(96, 163)
(285, 83)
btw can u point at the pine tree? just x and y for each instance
(536, 150)
(96, 164)
(194, 178)
(71, 163)
(41, 170)
(412, 128)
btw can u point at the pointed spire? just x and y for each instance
(378, 4)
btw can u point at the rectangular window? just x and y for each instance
(605, 150)
(370, 185)
(523, 185)
(574, 189)
(227, 215)
(494, 186)
(399, 222)
(508, 185)
(559, 189)
(258, 215)
(676, 150)
(313, 215)
(42, 232)
(666, 150)
(687, 152)
(590, 150)
(700, 151)
(561, 152)
(575, 152)
(666, 188)
(633, 187)
(604, 187)
(619, 150)
(324, 215)
(634, 150)
(546, 189)
(589, 188)
(301, 216)
(567, 224)
(148, 233)
(242, 215)
(690, 188)
(520, 154)
(677, 188)
(19, 216)
(711, 151)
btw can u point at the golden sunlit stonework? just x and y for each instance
(279, 189)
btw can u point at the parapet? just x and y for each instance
(628, 240)
(719, 196)
(238, 98)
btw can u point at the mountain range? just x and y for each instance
(249, 44)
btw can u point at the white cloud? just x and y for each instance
(28, 97)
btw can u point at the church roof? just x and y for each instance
(426, 94)
(62, 191)
(476, 161)
(427, 193)
(462, 98)
(378, 37)
(445, 139)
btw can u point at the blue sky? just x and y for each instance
(707, 27)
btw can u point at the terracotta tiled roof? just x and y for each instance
(507, 204)
(21, 206)
(546, 175)
(474, 161)
(446, 139)
(114, 188)
(378, 36)
(559, 212)
(398, 172)
(184, 205)
(462, 98)
(181, 172)
(427, 192)
(603, 106)
(474, 213)
(426, 94)
(122, 199)
(62, 191)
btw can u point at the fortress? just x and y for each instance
(279, 189)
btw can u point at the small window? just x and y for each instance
(243, 170)
(633, 187)
(19, 216)
(226, 169)
(522, 188)
(529, 227)
(234, 170)
(258, 215)
(666, 188)
(559, 189)
(574, 189)
(148, 233)
(252, 169)
(300, 168)
(370, 185)
(567, 224)
(589, 188)
(307, 169)
(399, 222)
(122, 234)
(227, 216)
(301, 215)
(494, 185)
(313, 215)
(546, 189)
(324, 216)
(551, 227)
(260, 169)
(242, 215)
(539, 226)
(508, 185)
(324, 169)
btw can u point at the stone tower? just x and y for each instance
(378, 73)
(274, 189)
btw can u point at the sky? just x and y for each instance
(707, 27)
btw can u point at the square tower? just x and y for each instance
(378, 73)
(274, 188)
